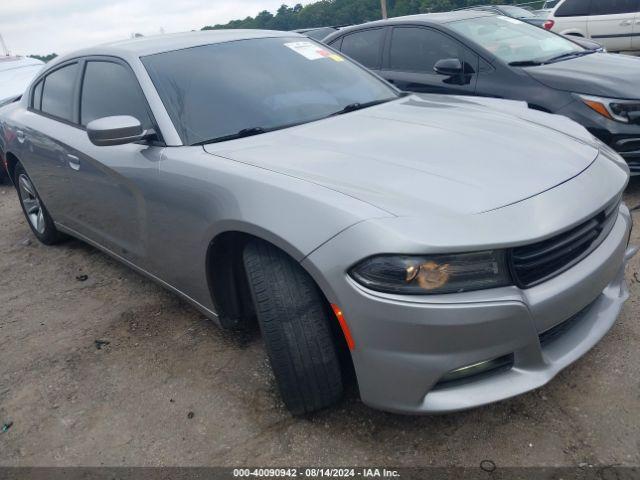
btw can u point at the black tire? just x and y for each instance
(49, 234)
(294, 321)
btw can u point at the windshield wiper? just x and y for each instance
(568, 55)
(525, 63)
(352, 107)
(251, 131)
(245, 132)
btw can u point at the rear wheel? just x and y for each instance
(34, 210)
(295, 325)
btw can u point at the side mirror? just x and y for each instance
(449, 67)
(117, 130)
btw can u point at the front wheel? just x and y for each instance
(34, 210)
(295, 326)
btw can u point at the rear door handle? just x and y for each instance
(20, 136)
(74, 162)
(626, 23)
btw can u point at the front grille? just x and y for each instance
(634, 165)
(538, 262)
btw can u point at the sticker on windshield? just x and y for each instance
(311, 51)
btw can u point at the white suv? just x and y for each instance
(613, 23)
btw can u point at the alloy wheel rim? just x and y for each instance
(31, 204)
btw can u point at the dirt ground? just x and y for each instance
(114, 370)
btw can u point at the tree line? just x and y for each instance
(337, 12)
(44, 58)
(344, 12)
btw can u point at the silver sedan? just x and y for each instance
(453, 251)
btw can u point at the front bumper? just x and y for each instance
(405, 346)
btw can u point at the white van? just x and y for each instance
(613, 23)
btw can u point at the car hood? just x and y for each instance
(601, 74)
(441, 153)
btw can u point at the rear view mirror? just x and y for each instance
(449, 66)
(117, 130)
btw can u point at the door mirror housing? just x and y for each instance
(449, 67)
(116, 130)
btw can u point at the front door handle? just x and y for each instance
(74, 162)
(626, 23)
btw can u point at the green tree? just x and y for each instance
(45, 58)
(344, 12)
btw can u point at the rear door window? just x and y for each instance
(575, 8)
(57, 93)
(365, 47)
(614, 7)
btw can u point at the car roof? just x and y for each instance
(427, 18)
(444, 17)
(143, 46)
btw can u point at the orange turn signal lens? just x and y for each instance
(343, 325)
(598, 107)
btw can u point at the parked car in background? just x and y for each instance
(535, 19)
(613, 23)
(477, 53)
(16, 74)
(513, 11)
(348, 217)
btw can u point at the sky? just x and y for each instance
(45, 26)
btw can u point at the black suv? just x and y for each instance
(477, 53)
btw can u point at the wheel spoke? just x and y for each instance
(26, 186)
(30, 205)
(40, 222)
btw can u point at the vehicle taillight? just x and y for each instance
(548, 25)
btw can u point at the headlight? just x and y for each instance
(626, 111)
(431, 274)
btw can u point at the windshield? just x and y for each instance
(513, 41)
(517, 12)
(218, 90)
